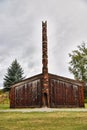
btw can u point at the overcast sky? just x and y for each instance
(21, 33)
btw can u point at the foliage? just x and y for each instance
(78, 63)
(14, 75)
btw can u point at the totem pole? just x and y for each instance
(45, 80)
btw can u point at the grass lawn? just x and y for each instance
(4, 106)
(4, 100)
(43, 121)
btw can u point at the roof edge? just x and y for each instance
(27, 79)
(69, 80)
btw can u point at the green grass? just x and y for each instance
(4, 106)
(85, 100)
(4, 100)
(44, 121)
(85, 105)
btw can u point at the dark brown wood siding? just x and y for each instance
(26, 94)
(64, 93)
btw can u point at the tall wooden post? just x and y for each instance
(45, 80)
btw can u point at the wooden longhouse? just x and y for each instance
(45, 89)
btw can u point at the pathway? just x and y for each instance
(46, 110)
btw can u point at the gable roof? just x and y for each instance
(51, 76)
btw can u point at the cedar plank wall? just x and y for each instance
(26, 93)
(63, 92)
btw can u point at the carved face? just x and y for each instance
(46, 77)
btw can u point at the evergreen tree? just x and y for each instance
(14, 74)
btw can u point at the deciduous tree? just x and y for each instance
(78, 63)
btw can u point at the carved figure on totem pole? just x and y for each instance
(45, 80)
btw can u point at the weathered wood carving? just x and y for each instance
(45, 81)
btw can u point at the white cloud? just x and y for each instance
(20, 33)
